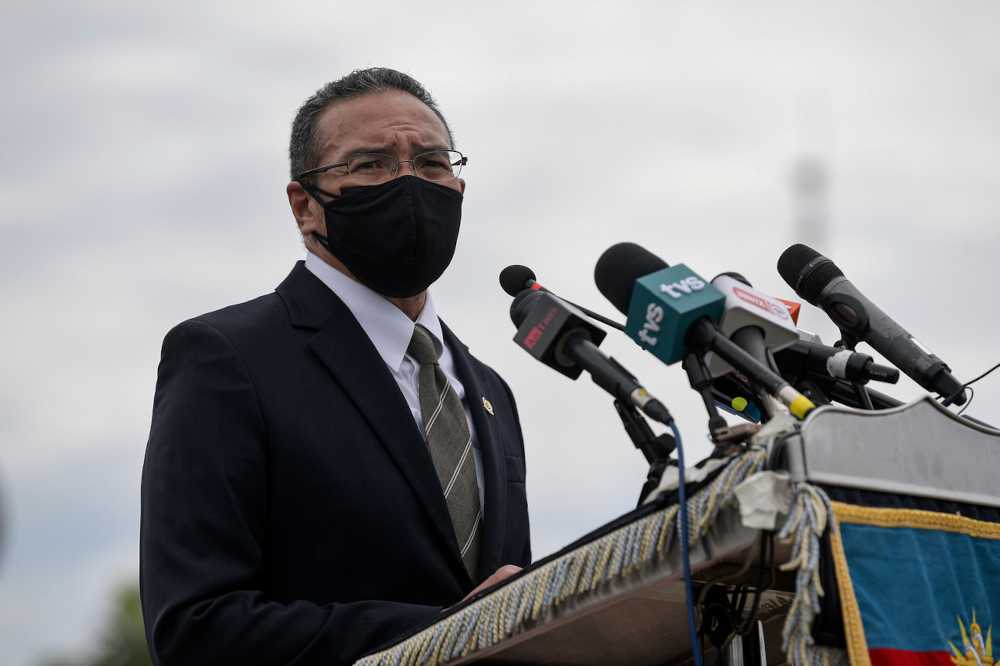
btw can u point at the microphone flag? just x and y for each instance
(543, 324)
(663, 306)
(746, 306)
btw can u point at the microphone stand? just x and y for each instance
(722, 433)
(656, 448)
(701, 382)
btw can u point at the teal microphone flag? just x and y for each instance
(664, 304)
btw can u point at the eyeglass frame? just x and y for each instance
(323, 169)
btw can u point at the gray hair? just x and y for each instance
(304, 147)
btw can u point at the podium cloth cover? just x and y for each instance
(916, 587)
(916, 538)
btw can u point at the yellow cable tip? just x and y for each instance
(801, 406)
(739, 404)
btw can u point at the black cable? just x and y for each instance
(739, 600)
(949, 399)
(736, 604)
(773, 565)
(983, 375)
(972, 394)
(765, 542)
(778, 449)
(751, 554)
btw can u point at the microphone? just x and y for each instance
(558, 334)
(803, 355)
(793, 306)
(633, 279)
(515, 278)
(671, 310)
(831, 362)
(752, 319)
(819, 281)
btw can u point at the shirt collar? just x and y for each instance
(388, 328)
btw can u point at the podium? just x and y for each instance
(616, 596)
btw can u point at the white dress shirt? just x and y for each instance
(390, 331)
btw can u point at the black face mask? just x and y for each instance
(397, 237)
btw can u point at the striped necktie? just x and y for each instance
(450, 444)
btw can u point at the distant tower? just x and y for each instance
(810, 188)
(810, 171)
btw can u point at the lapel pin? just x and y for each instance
(488, 406)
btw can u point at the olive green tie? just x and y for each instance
(450, 444)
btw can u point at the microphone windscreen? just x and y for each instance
(808, 284)
(618, 269)
(522, 304)
(514, 277)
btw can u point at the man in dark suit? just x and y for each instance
(327, 465)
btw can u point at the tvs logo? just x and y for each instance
(654, 315)
(762, 303)
(685, 286)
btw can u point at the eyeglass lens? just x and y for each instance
(376, 167)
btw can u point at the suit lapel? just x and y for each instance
(494, 466)
(344, 348)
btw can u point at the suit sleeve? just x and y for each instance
(204, 507)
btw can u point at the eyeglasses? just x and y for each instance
(375, 168)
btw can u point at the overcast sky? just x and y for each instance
(142, 175)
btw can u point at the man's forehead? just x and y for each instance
(392, 146)
(378, 120)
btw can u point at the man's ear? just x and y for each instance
(308, 213)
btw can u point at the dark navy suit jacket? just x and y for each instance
(291, 513)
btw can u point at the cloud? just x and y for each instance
(142, 183)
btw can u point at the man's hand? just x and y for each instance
(504, 572)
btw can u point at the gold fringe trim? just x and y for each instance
(916, 519)
(491, 619)
(854, 631)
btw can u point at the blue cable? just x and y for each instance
(682, 497)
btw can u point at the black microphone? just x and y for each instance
(516, 278)
(819, 281)
(833, 363)
(558, 334)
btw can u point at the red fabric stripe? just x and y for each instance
(891, 657)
